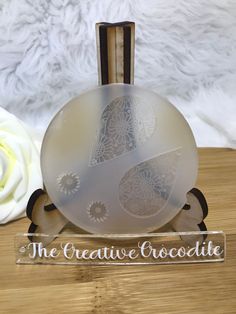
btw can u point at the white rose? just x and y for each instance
(20, 172)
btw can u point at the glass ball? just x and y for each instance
(119, 159)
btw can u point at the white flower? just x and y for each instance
(20, 172)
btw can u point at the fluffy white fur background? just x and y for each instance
(185, 51)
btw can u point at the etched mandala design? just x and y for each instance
(68, 183)
(145, 189)
(126, 122)
(97, 212)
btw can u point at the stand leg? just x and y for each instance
(45, 217)
(191, 217)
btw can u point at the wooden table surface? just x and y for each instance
(195, 288)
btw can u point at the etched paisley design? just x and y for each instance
(125, 123)
(145, 189)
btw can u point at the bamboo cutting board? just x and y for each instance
(199, 288)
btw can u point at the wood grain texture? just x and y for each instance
(199, 288)
(115, 52)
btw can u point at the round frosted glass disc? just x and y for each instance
(119, 159)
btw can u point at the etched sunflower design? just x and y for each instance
(68, 183)
(97, 212)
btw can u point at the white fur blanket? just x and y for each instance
(185, 51)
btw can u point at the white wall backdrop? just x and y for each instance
(185, 51)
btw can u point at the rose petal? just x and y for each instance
(3, 165)
(6, 209)
(19, 167)
(11, 183)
